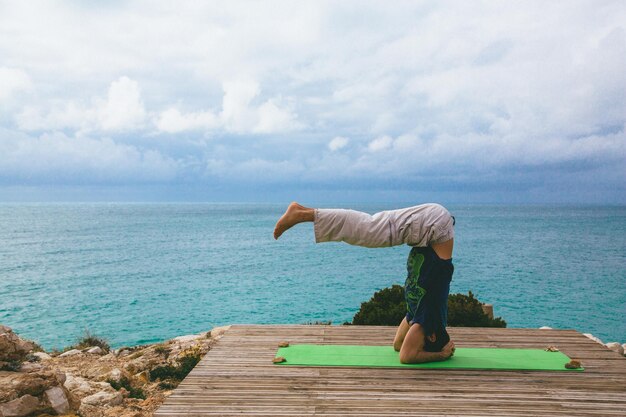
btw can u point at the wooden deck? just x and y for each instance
(237, 377)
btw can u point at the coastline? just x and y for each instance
(94, 381)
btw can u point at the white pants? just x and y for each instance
(416, 226)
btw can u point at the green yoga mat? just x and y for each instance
(385, 356)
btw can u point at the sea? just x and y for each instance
(143, 273)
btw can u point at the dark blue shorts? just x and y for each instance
(426, 288)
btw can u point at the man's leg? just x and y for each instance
(339, 225)
(403, 328)
(415, 226)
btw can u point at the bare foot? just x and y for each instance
(295, 214)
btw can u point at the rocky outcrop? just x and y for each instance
(616, 347)
(28, 386)
(13, 349)
(20, 407)
(91, 382)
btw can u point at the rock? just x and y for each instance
(86, 410)
(488, 310)
(77, 385)
(624, 347)
(545, 328)
(96, 350)
(115, 375)
(43, 356)
(70, 353)
(31, 367)
(60, 376)
(108, 357)
(143, 377)
(20, 407)
(16, 384)
(217, 332)
(616, 347)
(122, 352)
(183, 339)
(592, 337)
(58, 400)
(12, 347)
(103, 398)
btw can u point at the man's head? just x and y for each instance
(437, 340)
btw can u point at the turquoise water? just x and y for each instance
(140, 273)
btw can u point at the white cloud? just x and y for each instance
(239, 113)
(467, 88)
(13, 80)
(236, 114)
(121, 110)
(273, 118)
(380, 144)
(337, 143)
(57, 157)
(172, 121)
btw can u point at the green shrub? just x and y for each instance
(467, 311)
(168, 384)
(12, 366)
(387, 308)
(162, 350)
(184, 364)
(125, 383)
(89, 340)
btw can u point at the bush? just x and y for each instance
(467, 311)
(89, 340)
(184, 364)
(387, 308)
(125, 383)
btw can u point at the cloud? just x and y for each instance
(13, 80)
(172, 121)
(486, 94)
(239, 114)
(121, 110)
(61, 159)
(338, 143)
(380, 144)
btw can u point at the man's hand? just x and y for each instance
(448, 350)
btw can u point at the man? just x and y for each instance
(421, 336)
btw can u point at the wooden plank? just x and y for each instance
(237, 378)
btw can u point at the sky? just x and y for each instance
(458, 102)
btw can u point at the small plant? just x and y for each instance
(184, 364)
(168, 385)
(467, 311)
(12, 366)
(136, 355)
(162, 350)
(124, 382)
(31, 358)
(89, 340)
(385, 308)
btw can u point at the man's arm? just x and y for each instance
(412, 350)
(423, 356)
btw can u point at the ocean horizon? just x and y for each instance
(137, 273)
